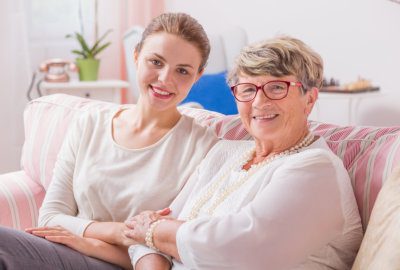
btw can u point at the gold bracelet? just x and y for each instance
(150, 234)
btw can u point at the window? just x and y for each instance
(50, 21)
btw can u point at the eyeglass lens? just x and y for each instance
(273, 90)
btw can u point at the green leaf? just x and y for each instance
(94, 48)
(87, 52)
(79, 53)
(83, 43)
(101, 48)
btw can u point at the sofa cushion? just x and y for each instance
(212, 93)
(380, 246)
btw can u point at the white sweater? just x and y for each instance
(298, 212)
(95, 179)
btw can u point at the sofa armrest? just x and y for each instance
(380, 248)
(20, 199)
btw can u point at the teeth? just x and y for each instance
(265, 116)
(161, 92)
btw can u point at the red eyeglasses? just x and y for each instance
(275, 90)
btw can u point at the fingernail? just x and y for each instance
(165, 211)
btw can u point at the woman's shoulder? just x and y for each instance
(98, 115)
(188, 126)
(321, 152)
(95, 119)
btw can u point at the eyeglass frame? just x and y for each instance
(261, 87)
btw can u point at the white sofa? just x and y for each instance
(369, 154)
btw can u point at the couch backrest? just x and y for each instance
(368, 153)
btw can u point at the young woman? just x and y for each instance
(115, 164)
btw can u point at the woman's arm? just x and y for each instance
(289, 216)
(60, 207)
(175, 209)
(88, 246)
(110, 232)
(297, 213)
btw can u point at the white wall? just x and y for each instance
(354, 37)
(14, 79)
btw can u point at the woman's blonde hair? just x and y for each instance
(183, 26)
(282, 56)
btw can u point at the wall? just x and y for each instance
(14, 78)
(355, 38)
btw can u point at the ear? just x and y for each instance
(135, 57)
(312, 96)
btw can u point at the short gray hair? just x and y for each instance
(282, 56)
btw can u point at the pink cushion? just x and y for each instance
(20, 199)
(46, 122)
(368, 153)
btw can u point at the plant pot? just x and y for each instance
(88, 69)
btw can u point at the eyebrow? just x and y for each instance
(180, 65)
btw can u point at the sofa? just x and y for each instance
(370, 154)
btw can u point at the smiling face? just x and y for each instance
(167, 67)
(279, 124)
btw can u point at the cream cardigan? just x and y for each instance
(96, 179)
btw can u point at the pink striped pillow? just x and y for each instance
(368, 153)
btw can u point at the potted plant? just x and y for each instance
(88, 64)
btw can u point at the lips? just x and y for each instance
(161, 93)
(265, 117)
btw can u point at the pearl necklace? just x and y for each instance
(254, 168)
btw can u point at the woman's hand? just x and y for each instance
(140, 224)
(61, 235)
(87, 246)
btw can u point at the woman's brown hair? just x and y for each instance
(183, 26)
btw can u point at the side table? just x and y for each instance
(354, 99)
(106, 90)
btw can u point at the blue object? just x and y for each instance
(213, 93)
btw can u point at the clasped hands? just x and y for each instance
(140, 224)
(132, 232)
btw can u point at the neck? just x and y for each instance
(144, 117)
(267, 149)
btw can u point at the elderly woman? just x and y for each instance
(282, 201)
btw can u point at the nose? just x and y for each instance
(165, 75)
(261, 99)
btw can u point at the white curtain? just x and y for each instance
(14, 80)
